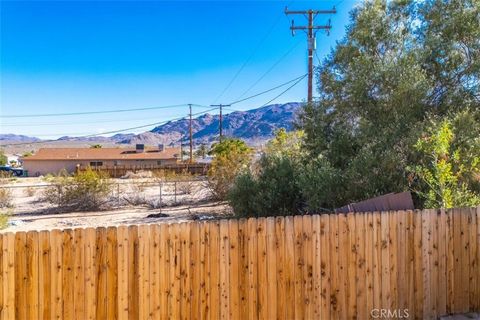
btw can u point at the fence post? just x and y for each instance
(160, 202)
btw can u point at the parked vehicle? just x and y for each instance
(17, 172)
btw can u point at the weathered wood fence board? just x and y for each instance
(334, 266)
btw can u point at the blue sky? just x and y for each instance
(74, 56)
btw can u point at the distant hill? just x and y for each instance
(9, 137)
(253, 125)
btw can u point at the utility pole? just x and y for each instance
(221, 117)
(311, 32)
(191, 141)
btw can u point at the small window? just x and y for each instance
(96, 164)
(159, 162)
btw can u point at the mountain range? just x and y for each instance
(252, 125)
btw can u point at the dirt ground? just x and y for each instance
(132, 202)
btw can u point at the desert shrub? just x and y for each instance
(136, 194)
(5, 176)
(4, 216)
(446, 173)
(232, 156)
(3, 158)
(6, 198)
(87, 190)
(274, 190)
(185, 187)
(320, 184)
(29, 191)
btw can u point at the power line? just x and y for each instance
(266, 91)
(270, 69)
(95, 112)
(108, 132)
(249, 58)
(285, 91)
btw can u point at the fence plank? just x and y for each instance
(112, 273)
(442, 264)
(20, 276)
(474, 268)
(385, 249)
(176, 294)
(233, 270)
(289, 268)
(361, 272)
(224, 266)
(393, 251)
(214, 249)
(133, 271)
(418, 230)
(401, 277)
(185, 304)
(164, 270)
(334, 252)
(9, 275)
(280, 265)
(122, 272)
(343, 253)
(68, 273)
(144, 271)
(308, 266)
(369, 265)
(262, 286)
(325, 263)
(299, 266)
(44, 274)
(351, 263)
(410, 262)
(317, 272)
(56, 241)
(433, 249)
(461, 257)
(79, 274)
(271, 265)
(450, 262)
(101, 272)
(32, 275)
(194, 272)
(205, 271)
(377, 260)
(477, 291)
(243, 277)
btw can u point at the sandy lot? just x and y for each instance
(132, 202)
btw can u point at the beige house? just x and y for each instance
(53, 160)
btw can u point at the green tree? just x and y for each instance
(96, 146)
(399, 63)
(448, 172)
(285, 143)
(231, 157)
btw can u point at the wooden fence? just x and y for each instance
(339, 266)
(178, 168)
